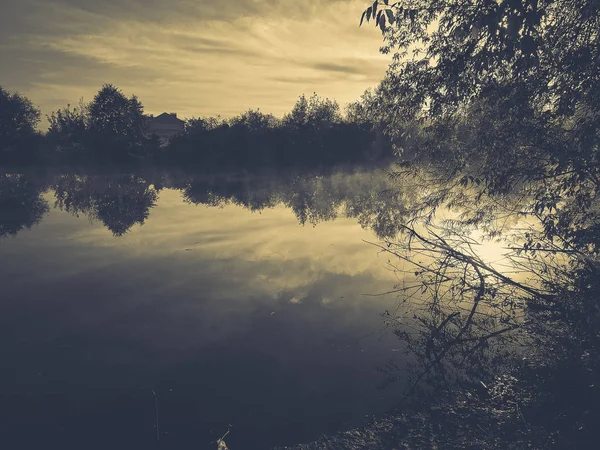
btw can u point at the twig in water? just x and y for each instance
(156, 410)
(522, 417)
(221, 445)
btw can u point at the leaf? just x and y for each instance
(378, 16)
(390, 16)
(413, 14)
(369, 10)
(382, 23)
(362, 18)
(374, 8)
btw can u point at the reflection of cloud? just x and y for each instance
(194, 57)
(269, 239)
(241, 263)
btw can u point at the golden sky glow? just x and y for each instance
(191, 57)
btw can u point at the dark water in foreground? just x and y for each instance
(220, 296)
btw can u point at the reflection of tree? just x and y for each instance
(254, 194)
(119, 202)
(20, 203)
(313, 197)
(475, 320)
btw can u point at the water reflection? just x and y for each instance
(122, 200)
(118, 201)
(21, 204)
(220, 302)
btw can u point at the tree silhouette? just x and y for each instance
(68, 131)
(18, 121)
(115, 116)
(545, 50)
(21, 204)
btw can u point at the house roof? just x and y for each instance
(166, 118)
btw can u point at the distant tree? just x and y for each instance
(200, 124)
(116, 119)
(68, 130)
(18, 121)
(255, 120)
(370, 109)
(315, 112)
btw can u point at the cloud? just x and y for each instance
(193, 57)
(357, 68)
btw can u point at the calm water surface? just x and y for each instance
(238, 302)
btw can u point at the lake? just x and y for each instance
(201, 303)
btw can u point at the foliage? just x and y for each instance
(114, 116)
(18, 121)
(312, 133)
(314, 112)
(68, 129)
(447, 52)
(254, 121)
(505, 95)
(110, 129)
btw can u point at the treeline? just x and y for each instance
(113, 130)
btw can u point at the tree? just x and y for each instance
(505, 95)
(255, 121)
(447, 52)
(522, 75)
(18, 120)
(68, 130)
(116, 119)
(315, 112)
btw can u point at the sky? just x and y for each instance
(192, 57)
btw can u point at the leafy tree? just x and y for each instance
(448, 51)
(507, 101)
(511, 84)
(116, 118)
(111, 128)
(255, 121)
(363, 110)
(18, 120)
(68, 130)
(314, 112)
(201, 124)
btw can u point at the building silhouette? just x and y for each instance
(165, 125)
